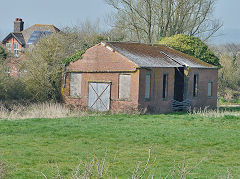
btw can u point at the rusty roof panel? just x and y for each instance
(149, 55)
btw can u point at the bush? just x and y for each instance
(3, 54)
(192, 46)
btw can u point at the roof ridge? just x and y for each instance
(35, 25)
(44, 25)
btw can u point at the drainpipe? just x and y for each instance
(64, 76)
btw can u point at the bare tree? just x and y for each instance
(149, 20)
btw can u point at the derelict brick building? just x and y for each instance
(125, 76)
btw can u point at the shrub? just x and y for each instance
(192, 46)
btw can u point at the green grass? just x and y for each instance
(222, 101)
(31, 146)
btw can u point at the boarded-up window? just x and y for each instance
(124, 86)
(195, 85)
(210, 88)
(147, 86)
(75, 84)
(165, 85)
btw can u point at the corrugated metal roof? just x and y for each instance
(149, 55)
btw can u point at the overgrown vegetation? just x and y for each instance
(41, 70)
(74, 57)
(192, 46)
(3, 53)
(229, 74)
(190, 145)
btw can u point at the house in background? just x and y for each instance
(20, 40)
(120, 76)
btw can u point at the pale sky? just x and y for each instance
(72, 12)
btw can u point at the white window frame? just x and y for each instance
(16, 49)
(9, 47)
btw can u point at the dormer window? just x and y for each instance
(9, 47)
(16, 50)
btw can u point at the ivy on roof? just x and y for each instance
(74, 57)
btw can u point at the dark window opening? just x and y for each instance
(179, 84)
(165, 85)
(195, 85)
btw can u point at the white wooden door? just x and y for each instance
(99, 96)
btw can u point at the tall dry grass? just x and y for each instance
(38, 110)
(210, 113)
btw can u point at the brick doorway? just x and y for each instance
(179, 84)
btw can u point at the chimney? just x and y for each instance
(18, 25)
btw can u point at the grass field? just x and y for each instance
(32, 148)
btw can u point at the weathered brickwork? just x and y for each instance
(157, 103)
(112, 78)
(100, 64)
(101, 59)
(12, 41)
(204, 76)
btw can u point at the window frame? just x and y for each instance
(129, 87)
(16, 49)
(165, 86)
(9, 47)
(70, 86)
(147, 97)
(195, 85)
(210, 82)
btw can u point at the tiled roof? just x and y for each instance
(154, 55)
(38, 27)
(17, 36)
(24, 36)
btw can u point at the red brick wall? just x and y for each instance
(102, 64)
(12, 41)
(99, 58)
(109, 65)
(202, 100)
(14, 62)
(157, 103)
(115, 103)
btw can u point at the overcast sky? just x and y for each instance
(72, 12)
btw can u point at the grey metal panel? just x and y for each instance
(124, 86)
(75, 84)
(99, 96)
(105, 98)
(92, 95)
